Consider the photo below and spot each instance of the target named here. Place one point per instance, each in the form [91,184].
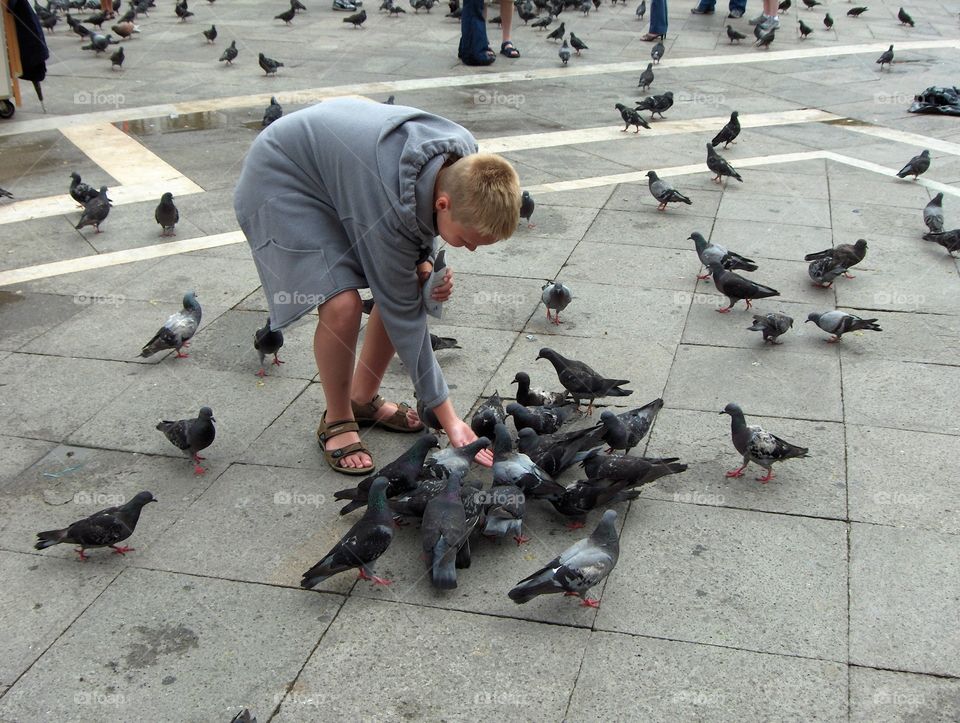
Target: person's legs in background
[706,7]
[658,20]
[506,23]
[474,47]
[738,8]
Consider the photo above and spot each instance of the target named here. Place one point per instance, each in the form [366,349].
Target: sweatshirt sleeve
[390,269]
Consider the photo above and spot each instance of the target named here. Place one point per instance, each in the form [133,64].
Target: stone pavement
[830,593]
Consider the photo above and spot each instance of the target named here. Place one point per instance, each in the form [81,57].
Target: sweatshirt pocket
[293,279]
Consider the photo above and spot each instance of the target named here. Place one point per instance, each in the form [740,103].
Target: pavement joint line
[311,95]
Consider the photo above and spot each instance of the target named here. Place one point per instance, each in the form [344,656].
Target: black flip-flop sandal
[508,49]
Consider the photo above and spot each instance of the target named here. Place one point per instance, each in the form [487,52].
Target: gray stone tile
[218,282]
[759,207]
[711,575]
[524,255]
[43,605]
[899,338]
[903,587]
[683,681]
[492,302]
[84,285]
[19,454]
[707,378]
[645,267]
[627,227]
[477,682]
[636,197]
[863,220]
[903,395]
[814,486]
[880,497]
[166,653]
[25,316]
[44,240]
[883,695]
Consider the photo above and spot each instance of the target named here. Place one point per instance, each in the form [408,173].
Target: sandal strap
[334,429]
[348,450]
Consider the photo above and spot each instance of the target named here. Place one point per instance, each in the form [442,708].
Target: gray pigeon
[710,253]
[803,29]
[244,716]
[719,165]
[210,34]
[915,166]
[766,39]
[772,325]
[580,567]
[736,287]
[657,52]
[554,453]
[535,397]
[557,33]
[443,532]
[167,215]
[844,256]
[758,446]
[454,460]
[443,342]
[505,507]
[428,416]
[488,416]
[542,420]
[646,78]
[267,341]
[839,323]
[933,214]
[192,435]
[950,240]
[734,35]
[177,330]
[641,9]
[367,540]
[630,117]
[564,51]
[517,469]
[904,17]
[4,193]
[99,43]
[95,211]
[728,134]
[656,104]
[105,528]
[273,113]
[823,271]
[269,65]
[527,205]
[633,471]
[581,381]
[81,192]
[230,53]
[624,431]
[117,58]
[557,296]
[664,192]
[886,58]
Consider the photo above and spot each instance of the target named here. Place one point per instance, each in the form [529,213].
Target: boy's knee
[345,303]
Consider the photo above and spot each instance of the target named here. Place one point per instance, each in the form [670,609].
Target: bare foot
[354,460]
[388,409]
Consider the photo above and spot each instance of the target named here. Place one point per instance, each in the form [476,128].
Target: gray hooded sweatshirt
[340,196]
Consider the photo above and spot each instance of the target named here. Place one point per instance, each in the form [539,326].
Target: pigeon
[839,323]
[656,104]
[811,4]
[915,166]
[715,253]
[267,341]
[49,21]
[269,65]
[96,19]
[525,13]
[542,420]
[630,117]
[577,43]
[542,23]
[78,28]
[554,453]
[580,567]
[736,287]
[286,16]
[933,214]
[516,468]
[105,528]
[784,6]
[535,397]
[367,540]
[886,58]
[646,78]
[401,475]
[95,211]
[734,35]
[488,416]
[804,29]
[904,18]
[772,325]
[950,240]
[357,19]
[210,34]
[125,30]
[505,508]
[166,214]
[443,342]
[527,205]
[583,382]
[824,271]
[641,9]
[586,7]
[856,12]
[664,192]
[757,445]
[555,295]
[230,54]
[624,431]
[81,192]
[765,39]
[395,10]
[564,53]
[585,495]
[657,52]
[390,101]
[428,416]
[192,435]
[828,21]
[412,503]
[273,112]
[634,471]
[181,10]
[297,5]
[728,134]
[443,532]
[4,193]
[843,255]
[558,33]
[99,43]
[177,330]
[454,460]
[719,165]
[244,716]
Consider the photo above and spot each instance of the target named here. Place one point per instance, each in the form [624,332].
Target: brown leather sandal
[365,414]
[328,430]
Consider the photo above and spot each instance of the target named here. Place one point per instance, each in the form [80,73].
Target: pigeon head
[377,497]
[606,416]
[512,408]
[521,378]
[206,413]
[936,201]
[698,240]
[925,154]
[503,444]
[76,177]
[732,409]
[525,196]
[668,94]
[734,115]
[814,317]
[620,106]
[190,300]
[547,353]
[526,437]
[652,175]
[167,197]
[606,531]
[861,246]
[142,498]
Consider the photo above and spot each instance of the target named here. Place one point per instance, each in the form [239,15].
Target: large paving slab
[885,695]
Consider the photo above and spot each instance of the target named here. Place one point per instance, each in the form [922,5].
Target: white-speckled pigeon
[555,295]
[709,253]
[192,435]
[772,325]
[443,532]
[624,431]
[839,323]
[536,397]
[933,214]
[401,475]
[758,446]
[177,330]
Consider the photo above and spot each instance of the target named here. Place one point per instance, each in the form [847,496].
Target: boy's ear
[443,202]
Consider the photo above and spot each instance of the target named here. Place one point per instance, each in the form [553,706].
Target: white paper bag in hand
[434,307]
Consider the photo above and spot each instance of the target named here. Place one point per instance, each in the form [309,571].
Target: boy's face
[456,234]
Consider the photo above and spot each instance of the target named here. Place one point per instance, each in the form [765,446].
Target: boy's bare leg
[506,19]
[375,357]
[334,347]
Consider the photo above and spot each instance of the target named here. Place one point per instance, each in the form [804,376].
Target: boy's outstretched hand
[443,291]
[460,435]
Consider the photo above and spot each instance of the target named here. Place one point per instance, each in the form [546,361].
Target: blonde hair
[484,191]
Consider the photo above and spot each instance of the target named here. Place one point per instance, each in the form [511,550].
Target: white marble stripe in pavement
[312,95]
[914,139]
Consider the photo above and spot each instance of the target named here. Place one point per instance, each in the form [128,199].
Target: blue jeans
[740,5]
[658,17]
